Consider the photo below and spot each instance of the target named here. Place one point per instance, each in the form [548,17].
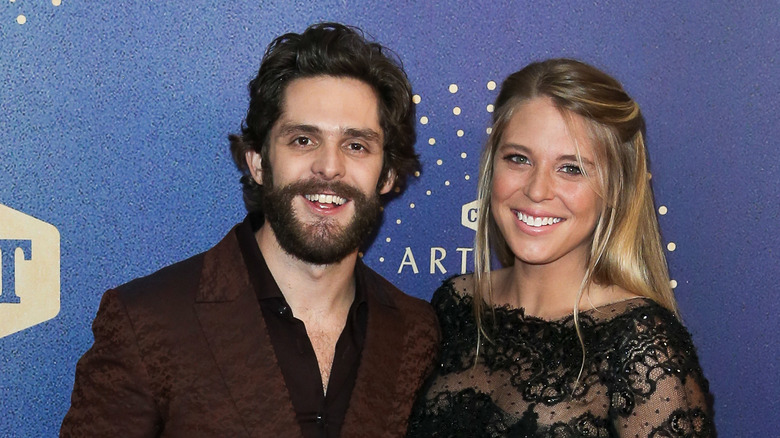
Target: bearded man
[280,329]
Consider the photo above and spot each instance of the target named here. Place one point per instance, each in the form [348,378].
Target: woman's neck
[549,291]
[546,291]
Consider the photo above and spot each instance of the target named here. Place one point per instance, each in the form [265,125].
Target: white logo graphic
[468,215]
[29,269]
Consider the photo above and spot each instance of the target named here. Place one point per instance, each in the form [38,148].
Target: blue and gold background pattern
[114,119]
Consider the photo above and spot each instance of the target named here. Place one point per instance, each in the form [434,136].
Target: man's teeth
[326,199]
[537,221]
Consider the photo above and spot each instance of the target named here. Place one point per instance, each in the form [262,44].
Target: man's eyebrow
[367,134]
[290,128]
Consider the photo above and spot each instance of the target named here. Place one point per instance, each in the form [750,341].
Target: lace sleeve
[662,391]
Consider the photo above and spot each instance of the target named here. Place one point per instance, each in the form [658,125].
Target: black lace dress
[641,376]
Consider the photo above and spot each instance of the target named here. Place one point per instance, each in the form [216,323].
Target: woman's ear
[255,164]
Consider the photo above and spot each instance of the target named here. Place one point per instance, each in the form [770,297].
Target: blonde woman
[578,333]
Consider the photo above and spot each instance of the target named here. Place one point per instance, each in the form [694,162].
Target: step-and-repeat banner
[114,159]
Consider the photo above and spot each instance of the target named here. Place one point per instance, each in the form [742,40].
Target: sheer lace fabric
[641,376]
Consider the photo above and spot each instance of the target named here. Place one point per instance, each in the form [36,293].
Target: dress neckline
[520,311]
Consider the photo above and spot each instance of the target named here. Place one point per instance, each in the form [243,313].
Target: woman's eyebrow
[574,158]
[515,146]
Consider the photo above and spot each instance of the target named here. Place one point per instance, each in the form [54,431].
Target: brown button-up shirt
[319,415]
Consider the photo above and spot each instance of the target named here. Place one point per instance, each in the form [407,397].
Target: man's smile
[323,198]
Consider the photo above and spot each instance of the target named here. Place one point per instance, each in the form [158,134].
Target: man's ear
[255,164]
[389,182]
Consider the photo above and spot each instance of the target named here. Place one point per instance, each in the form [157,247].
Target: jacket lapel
[233,324]
[373,400]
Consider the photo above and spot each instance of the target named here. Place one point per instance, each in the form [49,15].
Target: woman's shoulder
[654,359]
[458,288]
[637,316]
[612,302]
[463,286]
[645,313]
[640,326]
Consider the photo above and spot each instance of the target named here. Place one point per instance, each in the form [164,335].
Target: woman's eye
[517,158]
[571,169]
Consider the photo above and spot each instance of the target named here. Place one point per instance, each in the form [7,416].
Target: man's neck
[308,288]
[318,295]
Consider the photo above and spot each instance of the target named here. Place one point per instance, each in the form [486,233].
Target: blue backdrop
[114,120]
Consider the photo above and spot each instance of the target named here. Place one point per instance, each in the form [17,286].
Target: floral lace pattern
[641,376]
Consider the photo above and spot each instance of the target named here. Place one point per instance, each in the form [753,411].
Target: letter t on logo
[8,262]
[30,269]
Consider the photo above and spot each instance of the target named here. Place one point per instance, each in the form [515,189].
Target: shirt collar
[262,280]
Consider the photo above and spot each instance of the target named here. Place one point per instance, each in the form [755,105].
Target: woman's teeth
[537,221]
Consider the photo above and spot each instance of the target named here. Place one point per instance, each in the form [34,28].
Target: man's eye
[356,147]
[302,141]
[571,169]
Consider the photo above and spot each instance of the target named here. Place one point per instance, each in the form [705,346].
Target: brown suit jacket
[185,352]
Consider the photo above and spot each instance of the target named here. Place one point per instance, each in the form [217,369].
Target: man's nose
[329,162]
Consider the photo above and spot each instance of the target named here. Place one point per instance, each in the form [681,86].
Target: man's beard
[324,241]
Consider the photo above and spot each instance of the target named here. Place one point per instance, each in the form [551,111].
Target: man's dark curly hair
[328,49]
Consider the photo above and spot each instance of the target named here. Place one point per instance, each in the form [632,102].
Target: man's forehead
[334,103]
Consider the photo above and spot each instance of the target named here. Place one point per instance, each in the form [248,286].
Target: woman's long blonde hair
[626,250]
